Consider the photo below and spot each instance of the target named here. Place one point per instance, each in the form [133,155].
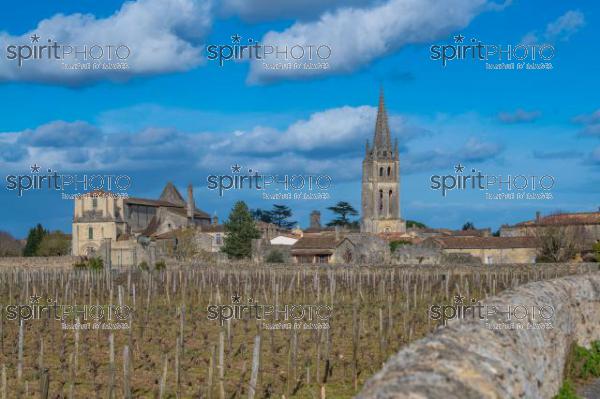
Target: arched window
[380,171]
[389,170]
[390,201]
[380,200]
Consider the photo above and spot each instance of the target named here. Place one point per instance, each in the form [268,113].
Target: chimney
[215,219]
[315,219]
[190,205]
[538,216]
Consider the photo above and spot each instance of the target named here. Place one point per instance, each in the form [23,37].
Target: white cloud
[560,29]
[330,139]
[163,36]
[590,122]
[357,36]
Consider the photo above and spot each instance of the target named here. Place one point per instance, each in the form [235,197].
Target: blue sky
[175,115]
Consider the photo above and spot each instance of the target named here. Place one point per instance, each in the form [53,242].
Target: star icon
[35,168]
[34,299]
[458,298]
[459,38]
[35,38]
[236,298]
[236,38]
[459,168]
[235,168]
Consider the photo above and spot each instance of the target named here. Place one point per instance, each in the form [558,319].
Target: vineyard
[166,346]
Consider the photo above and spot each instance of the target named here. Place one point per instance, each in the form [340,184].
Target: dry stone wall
[466,359]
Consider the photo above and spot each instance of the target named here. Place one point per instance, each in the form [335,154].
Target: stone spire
[382,140]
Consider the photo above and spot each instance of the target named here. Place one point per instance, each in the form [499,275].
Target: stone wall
[467,360]
[38,261]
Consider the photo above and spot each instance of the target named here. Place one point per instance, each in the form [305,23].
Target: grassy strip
[582,365]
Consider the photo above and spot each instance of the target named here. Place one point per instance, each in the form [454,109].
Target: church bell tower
[381,180]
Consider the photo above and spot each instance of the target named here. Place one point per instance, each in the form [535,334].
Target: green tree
[468,226]
[415,224]
[241,230]
[279,216]
[34,238]
[56,243]
[275,256]
[262,215]
[342,209]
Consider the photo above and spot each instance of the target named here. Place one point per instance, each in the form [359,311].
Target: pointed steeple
[381,139]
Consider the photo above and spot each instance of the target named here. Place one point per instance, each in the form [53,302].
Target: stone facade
[381,180]
[489,250]
[126,222]
[341,248]
[583,225]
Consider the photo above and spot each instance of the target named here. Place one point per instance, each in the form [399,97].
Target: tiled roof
[565,219]
[213,228]
[323,242]
[484,242]
[148,202]
[151,228]
[471,233]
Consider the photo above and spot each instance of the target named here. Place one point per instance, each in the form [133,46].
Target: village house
[585,226]
[489,250]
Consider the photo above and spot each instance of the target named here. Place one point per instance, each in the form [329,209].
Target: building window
[94,203]
[90,233]
[380,171]
[322,258]
[218,239]
[389,171]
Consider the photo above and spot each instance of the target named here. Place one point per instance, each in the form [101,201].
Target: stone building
[489,250]
[585,226]
[341,247]
[101,219]
[381,180]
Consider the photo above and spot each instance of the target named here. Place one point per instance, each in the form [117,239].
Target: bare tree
[9,246]
[558,243]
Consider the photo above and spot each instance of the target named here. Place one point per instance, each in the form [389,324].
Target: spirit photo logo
[253,180]
[252,310]
[517,186]
[496,56]
[38,309]
[49,49]
[495,316]
[238,51]
[52,180]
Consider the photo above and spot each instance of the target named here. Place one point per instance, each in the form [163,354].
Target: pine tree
[342,209]
[34,238]
[240,229]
